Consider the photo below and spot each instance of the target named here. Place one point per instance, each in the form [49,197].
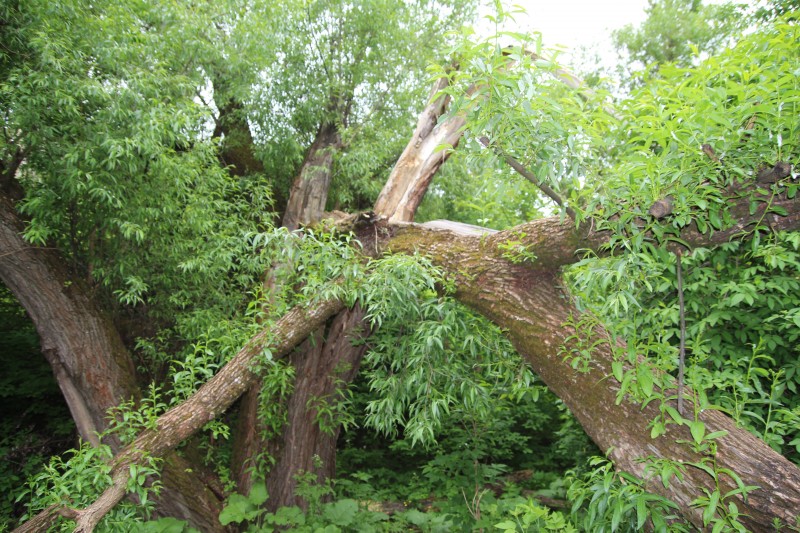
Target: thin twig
[524,172]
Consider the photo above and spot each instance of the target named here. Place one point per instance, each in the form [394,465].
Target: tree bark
[530,304]
[90,363]
[421,159]
[309,191]
[236,148]
[324,364]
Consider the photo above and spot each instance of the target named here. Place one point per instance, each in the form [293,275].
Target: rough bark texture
[310,188]
[421,159]
[324,364]
[89,361]
[306,204]
[247,441]
[529,303]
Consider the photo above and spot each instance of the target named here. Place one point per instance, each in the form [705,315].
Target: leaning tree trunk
[530,304]
[89,361]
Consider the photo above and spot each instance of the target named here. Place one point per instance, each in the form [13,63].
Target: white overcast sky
[580,22]
[575,23]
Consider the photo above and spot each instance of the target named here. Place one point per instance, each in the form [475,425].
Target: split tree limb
[421,159]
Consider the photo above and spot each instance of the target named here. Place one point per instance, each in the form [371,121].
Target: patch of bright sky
[573,24]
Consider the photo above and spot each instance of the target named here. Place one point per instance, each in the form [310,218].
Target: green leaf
[645,378]
[711,508]
[716,435]
[235,511]
[698,430]
[641,513]
[617,367]
[341,512]
[258,494]
[657,430]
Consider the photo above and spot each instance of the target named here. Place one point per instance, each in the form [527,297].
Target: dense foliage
[112,117]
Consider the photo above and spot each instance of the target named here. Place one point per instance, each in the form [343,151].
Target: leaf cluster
[428,354]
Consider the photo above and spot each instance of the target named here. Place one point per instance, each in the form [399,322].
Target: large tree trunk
[530,304]
[90,363]
[324,364]
[310,188]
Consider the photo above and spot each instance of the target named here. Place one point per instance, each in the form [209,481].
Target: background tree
[679,31]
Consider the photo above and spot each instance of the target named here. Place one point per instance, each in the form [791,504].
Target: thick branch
[421,159]
[214,397]
[558,243]
[529,303]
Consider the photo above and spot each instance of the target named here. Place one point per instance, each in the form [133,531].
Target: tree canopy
[164,169]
